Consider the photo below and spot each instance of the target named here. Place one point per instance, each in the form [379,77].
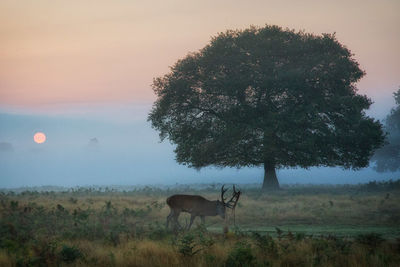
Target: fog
[118,147]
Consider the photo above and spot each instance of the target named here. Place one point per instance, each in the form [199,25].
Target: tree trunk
[270,179]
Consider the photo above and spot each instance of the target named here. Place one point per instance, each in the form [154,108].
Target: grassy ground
[297,226]
[344,231]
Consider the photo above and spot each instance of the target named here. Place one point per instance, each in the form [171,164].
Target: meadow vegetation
[348,225]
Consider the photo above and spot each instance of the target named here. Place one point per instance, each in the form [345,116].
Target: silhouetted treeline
[373,186]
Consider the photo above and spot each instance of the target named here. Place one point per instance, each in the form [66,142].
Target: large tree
[268,97]
[388,157]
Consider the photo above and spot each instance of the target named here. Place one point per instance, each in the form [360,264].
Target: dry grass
[254,209]
[126,229]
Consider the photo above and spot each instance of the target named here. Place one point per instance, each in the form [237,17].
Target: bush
[14,205]
[300,236]
[44,252]
[371,240]
[187,245]
[195,241]
[238,232]
[70,254]
[73,200]
[266,244]
[203,237]
[210,259]
[241,255]
[113,238]
[157,232]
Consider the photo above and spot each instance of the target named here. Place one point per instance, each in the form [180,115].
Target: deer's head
[221,209]
[222,205]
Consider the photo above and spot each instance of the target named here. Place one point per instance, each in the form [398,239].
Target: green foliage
[73,200]
[157,232]
[371,240]
[204,238]
[279,232]
[188,246]
[322,250]
[388,157]
[113,238]
[343,246]
[195,241]
[300,236]
[266,243]
[109,231]
[238,231]
[14,205]
[267,96]
[209,259]
[70,254]
[140,213]
[241,255]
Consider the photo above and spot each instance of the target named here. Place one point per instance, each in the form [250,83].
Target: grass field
[296,226]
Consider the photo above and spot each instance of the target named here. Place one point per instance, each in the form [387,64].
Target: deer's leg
[169,217]
[192,217]
[176,216]
[203,219]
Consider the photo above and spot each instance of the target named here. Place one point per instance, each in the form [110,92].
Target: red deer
[199,206]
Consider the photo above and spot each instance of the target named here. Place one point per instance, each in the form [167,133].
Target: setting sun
[39,137]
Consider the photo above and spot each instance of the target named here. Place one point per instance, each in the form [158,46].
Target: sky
[78,70]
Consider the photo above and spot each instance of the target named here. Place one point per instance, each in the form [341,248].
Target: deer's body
[195,205]
[199,206]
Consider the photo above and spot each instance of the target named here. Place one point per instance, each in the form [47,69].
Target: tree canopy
[388,157]
[266,96]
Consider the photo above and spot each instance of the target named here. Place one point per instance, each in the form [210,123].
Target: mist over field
[118,147]
[82,74]
[87,88]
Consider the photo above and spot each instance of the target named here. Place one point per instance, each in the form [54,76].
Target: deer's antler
[222,194]
[234,199]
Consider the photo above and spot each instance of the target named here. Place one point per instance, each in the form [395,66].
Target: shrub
[209,259]
[344,246]
[241,255]
[265,243]
[300,236]
[187,245]
[14,205]
[73,200]
[44,252]
[279,232]
[238,232]
[113,238]
[195,241]
[70,254]
[321,249]
[371,240]
[157,232]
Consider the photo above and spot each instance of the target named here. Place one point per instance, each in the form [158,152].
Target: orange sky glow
[68,52]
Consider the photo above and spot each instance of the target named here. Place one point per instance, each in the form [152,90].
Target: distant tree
[388,157]
[266,97]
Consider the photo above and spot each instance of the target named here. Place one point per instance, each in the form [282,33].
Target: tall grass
[98,227]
